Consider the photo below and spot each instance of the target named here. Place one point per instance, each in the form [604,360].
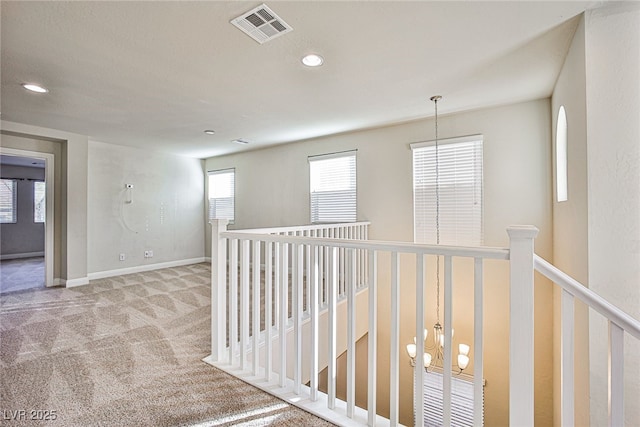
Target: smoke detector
[261,24]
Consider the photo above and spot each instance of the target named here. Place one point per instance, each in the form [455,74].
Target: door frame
[49,223]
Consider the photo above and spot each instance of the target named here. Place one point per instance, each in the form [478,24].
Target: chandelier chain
[435,100]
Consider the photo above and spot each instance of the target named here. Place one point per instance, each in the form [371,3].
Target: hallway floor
[126,351]
[21,274]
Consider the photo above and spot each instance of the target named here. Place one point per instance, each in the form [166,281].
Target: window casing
[8,201]
[333,195]
[222,190]
[39,201]
[459,163]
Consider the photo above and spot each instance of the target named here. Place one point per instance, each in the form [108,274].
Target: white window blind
[8,200]
[39,201]
[333,187]
[222,194]
[460,188]
[461,400]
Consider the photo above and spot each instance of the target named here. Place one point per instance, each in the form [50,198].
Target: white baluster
[268,310]
[307,276]
[284,310]
[340,235]
[256,305]
[448,343]
[332,301]
[567,363]
[244,303]
[418,391]
[372,338]
[233,310]
[297,316]
[394,381]
[616,375]
[313,310]
[351,333]
[478,342]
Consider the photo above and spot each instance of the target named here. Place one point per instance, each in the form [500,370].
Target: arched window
[562,192]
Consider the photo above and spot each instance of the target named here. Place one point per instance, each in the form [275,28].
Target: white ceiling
[155,75]
[21,161]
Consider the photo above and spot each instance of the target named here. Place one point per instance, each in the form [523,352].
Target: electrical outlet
[122,257]
[150,254]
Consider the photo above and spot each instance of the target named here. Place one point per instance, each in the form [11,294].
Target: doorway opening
[26,220]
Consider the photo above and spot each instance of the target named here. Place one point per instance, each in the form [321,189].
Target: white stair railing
[323,272]
[335,269]
[619,323]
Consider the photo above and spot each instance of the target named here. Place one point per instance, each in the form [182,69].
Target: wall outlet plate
[122,257]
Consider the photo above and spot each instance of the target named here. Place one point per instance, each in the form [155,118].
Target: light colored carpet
[20,274]
[124,351]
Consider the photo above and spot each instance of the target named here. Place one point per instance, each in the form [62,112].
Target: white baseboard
[207,259]
[22,255]
[142,268]
[70,283]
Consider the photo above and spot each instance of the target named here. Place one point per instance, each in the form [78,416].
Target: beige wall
[570,236]
[272,187]
[169,211]
[165,215]
[612,56]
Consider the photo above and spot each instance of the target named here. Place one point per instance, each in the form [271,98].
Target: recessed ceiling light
[240,141]
[34,88]
[210,132]
[312,60]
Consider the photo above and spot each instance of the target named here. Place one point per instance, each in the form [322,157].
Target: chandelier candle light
[434,352]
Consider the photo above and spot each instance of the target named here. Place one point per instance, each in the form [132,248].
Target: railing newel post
[218,289]
[521,326]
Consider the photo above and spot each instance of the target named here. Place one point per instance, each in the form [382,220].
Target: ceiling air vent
[261,24]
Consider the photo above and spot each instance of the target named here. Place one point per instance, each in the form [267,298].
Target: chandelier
[434,351]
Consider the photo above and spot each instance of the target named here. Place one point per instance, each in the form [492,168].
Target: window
[332,180]
[561,157]
[8,201]
[222,189]
[39,201]
[460,191]
[461,400]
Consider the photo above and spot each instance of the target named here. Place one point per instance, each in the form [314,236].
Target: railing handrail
[386,246]
[269,230]
[587,296]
